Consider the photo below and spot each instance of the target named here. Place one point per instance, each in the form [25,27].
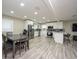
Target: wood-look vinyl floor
[46,48]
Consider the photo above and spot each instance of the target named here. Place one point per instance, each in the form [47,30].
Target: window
[7,25]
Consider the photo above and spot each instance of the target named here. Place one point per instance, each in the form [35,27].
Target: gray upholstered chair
[6,45]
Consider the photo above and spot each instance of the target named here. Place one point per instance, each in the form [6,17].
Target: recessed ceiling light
[43,17]
[25,16]
[35,13]
[21,4]
[12,12]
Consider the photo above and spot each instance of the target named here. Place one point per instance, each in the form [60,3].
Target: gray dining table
[16,38]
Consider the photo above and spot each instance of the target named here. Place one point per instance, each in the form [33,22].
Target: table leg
[28,44]
[13,50]
[25,45]
[5,51]
[20,49]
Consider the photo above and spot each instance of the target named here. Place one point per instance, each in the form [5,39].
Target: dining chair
[9,33]
[23,44]
[7,47]
[67,37]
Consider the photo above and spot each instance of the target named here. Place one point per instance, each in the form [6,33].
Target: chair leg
[5,56]
[28,44]
[20,51]
[4,51]
[25,46]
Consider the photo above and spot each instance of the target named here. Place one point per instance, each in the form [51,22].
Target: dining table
[17,38]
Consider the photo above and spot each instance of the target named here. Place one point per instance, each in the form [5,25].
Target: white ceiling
[51,9]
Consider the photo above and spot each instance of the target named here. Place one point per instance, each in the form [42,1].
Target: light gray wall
[68,26]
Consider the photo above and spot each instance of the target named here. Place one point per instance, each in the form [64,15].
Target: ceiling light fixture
[21,4]
[12,12]
[25,16]
[43,17]
[35,13]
